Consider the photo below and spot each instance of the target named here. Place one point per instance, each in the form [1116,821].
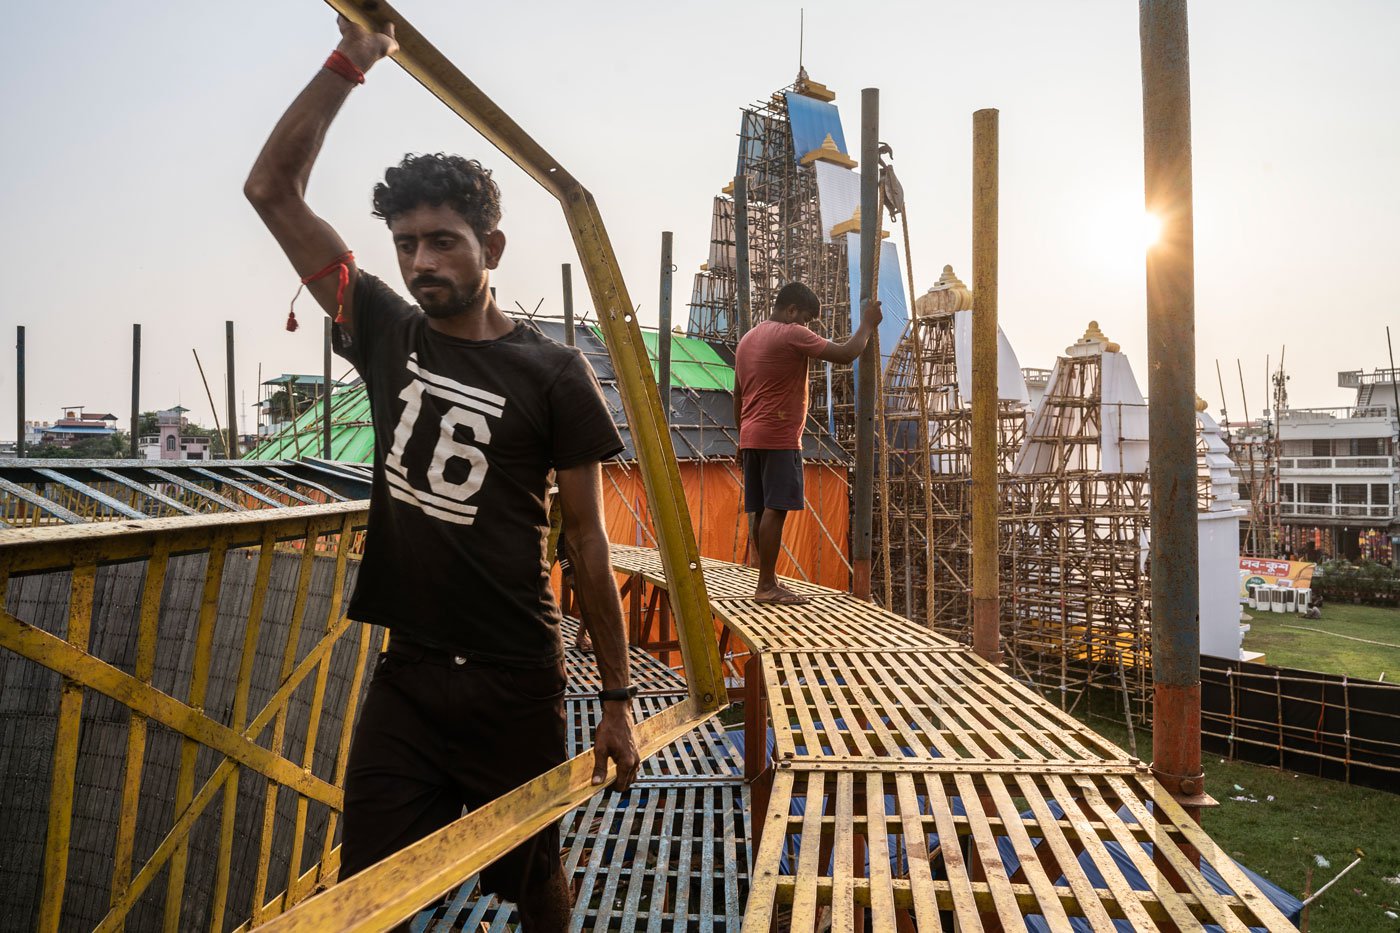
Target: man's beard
[454,303]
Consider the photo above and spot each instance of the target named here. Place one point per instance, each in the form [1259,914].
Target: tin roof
[702,406]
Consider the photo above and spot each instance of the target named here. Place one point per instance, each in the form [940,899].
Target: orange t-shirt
[770,371]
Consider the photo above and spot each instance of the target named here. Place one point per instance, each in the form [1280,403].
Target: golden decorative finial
[852,226]
[847,226]
[1093,342]
[1201,404]
[947,295]
[828,151]
[729,188]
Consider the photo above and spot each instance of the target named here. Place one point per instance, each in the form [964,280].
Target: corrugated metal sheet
[349,413]
[702,404]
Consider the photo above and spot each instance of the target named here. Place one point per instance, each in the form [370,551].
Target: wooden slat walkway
[670,854]
[916,781]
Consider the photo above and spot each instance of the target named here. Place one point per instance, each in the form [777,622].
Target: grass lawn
[1307,817]
[1330,644]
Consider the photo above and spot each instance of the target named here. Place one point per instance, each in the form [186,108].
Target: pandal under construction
[181,681]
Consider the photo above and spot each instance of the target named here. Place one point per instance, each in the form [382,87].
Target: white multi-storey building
[1337,474]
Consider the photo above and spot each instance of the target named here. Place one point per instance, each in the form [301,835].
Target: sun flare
[1150,231]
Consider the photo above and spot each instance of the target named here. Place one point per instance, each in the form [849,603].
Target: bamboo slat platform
[670,854]
[915,781]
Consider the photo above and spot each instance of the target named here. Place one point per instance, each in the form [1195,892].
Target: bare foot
[780,596]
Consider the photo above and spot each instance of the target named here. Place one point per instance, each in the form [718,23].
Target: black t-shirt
[466,433]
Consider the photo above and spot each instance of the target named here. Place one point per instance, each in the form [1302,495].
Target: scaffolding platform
[672,853]
[911,779]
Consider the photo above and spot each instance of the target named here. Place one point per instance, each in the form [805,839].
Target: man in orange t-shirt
[770,407]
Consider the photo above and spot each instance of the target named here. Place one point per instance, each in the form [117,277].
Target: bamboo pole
[568,305]
[663,333]
[986,602]
[869,361]
[19,390]
[741,253]
[214,409]
[135,389]
[1171,339]
[326,391]
[232,448]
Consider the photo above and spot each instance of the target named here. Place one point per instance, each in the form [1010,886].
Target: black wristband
[620,693]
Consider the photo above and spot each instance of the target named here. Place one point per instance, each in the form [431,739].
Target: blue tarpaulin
[893,302]
[811,120]
[1290,906]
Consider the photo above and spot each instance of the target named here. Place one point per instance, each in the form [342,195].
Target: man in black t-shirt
[472,412]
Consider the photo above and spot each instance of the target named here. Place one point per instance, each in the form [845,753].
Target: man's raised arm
[277,184]
[847,351]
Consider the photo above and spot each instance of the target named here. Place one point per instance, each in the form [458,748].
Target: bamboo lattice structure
[1080,605]
[904,768]
[929,437]
[787,243]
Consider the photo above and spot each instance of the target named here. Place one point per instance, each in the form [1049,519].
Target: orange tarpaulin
[815,539]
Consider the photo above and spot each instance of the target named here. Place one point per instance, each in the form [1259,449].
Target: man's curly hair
[461,184]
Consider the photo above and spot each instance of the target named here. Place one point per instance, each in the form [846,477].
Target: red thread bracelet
[339,264]
[341,64]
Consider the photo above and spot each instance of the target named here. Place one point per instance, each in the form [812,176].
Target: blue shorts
[772,480]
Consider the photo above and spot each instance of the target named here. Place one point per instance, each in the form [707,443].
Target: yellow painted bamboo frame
[82,550]
[383,895]
[622,334]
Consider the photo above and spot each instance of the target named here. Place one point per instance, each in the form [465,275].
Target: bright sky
[128,131]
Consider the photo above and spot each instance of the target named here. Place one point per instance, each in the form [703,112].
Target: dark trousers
[438,734]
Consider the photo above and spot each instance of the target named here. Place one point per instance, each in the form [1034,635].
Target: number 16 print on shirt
[442,499]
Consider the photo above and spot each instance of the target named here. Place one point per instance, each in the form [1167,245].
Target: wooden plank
[96,495]
[251,629]
[147,632]
[189,748]
[1165,846]
[330,494]
[760,912]
[47,506]
[1176,907]
[1119,889]
[955,868]
[878,851]
[275,486]
[384,894]
[144,490]
[1264,910]
[279,727]
[197,490]
[232,483]
[917,853]
[804,899]
[985,901]
[1052,836]
[987,856]
[1040,882]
